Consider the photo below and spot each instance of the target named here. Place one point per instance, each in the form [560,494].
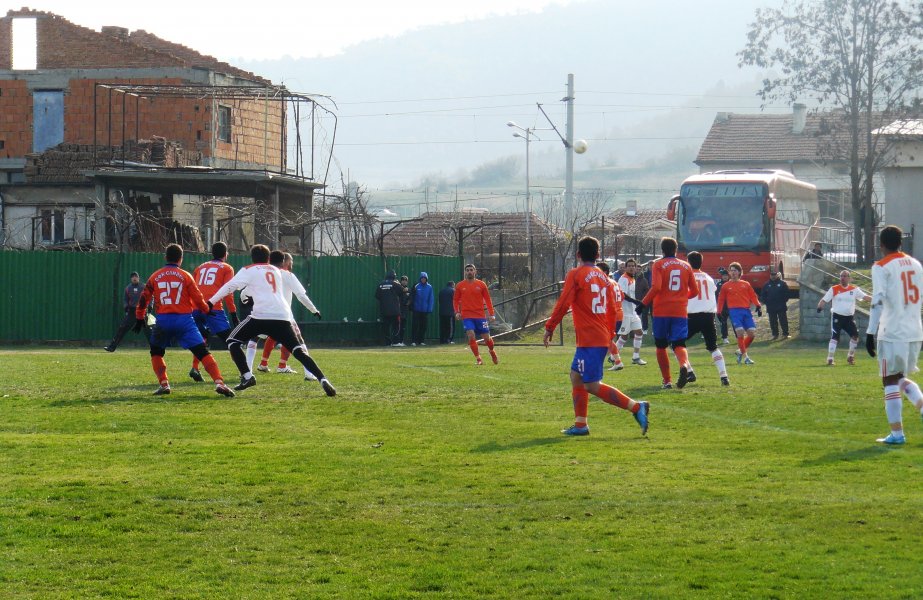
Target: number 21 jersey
[897,285]
[588,294]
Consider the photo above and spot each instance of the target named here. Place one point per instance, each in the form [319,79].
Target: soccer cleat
[328,387]
[285,370]
[479,362]
[892,439]
[162,390]
[263,368]
[617,367]
[195,375]
[638,361]
[739,356]
[224,390]
[850,360]
[108,348]
[726,341]
[574,430]
[749,361]
[691,377]
[830,362]
[245,383]
[641,416]
[666,385]
[683,378]
[725,381]
[493,357]
[611,359]
[413,344]
[309,377]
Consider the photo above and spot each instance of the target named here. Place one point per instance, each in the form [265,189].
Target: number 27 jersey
[588,294]
[897,285]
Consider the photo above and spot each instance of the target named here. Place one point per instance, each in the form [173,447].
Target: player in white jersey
[702,310]
[271,315]
[897,281]
[842,298]
[631,321]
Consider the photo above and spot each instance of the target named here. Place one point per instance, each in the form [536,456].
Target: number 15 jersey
[897,285]
[587,292]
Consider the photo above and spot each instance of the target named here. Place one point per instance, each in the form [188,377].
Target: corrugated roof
[640,222]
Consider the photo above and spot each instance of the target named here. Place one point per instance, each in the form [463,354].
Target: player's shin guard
[893,406]
[251,354]
[283,358]
[160,369]
[663,361]
[240,360]
[853,344]
[748,340]
[718,359]
[268,346]
[195,363]
[742,344]
[912,391]
[610,395]
[619,343]
[682,355]
[636,345]
[831,348]
[308,362]
[208,361]
[473,344]
[490,343]
[581,405]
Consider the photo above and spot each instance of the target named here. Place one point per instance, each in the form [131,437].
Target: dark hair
[668,246]
[736,265]
[276,258]
[174,253]
[259,253]
[891,237]
[630,260]
[603,266]
[219,250]
[588,248]
[695,259]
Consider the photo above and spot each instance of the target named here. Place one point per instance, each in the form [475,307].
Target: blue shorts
[176,329]
[589,363]
[479,326]
[216,321]
[741,318]
[674,329]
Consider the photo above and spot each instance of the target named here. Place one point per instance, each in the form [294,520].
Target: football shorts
[704,323]
[589,363]
[176,329]
[215,322]
[844,323]
[478,326]
[630,323]
[674,329]
[898,357]
[742,318]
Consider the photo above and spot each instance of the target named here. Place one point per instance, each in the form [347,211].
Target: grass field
[429,477]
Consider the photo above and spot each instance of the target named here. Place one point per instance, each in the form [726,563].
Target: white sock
[852,347]
[251,353]
[831,348]
[718,358]
[893,407]
[636,346]
[620,343]
[912,391]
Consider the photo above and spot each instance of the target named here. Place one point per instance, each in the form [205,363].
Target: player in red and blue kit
[174,293]
[588,294]
[210,276]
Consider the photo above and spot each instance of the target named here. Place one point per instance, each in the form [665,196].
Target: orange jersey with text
[210,276]
[619,298]
[737,294]
[171,290]
[470,299]
[672,284]
[588,294]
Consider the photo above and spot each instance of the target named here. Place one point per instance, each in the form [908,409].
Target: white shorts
[898,357]
[629,324]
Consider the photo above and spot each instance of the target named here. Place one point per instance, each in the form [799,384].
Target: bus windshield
[722,216]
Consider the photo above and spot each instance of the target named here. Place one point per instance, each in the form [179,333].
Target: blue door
[47,119]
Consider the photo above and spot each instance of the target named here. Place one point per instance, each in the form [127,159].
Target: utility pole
[569,158]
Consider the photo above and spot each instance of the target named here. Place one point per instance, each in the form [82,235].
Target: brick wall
[15,118]
[256,132]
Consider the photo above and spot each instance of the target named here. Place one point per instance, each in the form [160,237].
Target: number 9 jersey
[587,292]
[897,285]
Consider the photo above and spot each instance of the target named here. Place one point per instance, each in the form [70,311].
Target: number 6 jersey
[897,284]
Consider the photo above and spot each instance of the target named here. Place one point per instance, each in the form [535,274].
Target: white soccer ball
[580,146]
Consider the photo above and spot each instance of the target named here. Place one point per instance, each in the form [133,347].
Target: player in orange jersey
[210,276]
[738,295]
[471,297]
[175,294]
[588,294]
[614,355]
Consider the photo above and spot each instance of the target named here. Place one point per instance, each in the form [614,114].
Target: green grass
[428,477]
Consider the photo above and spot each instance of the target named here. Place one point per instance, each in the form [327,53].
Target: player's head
[668,246]
[470,271]
[817,247]
[219,250]
[451,284]
[695,259]
[603,266]
[289,261]
[735,270]
[588,249]
[844,277]
[174,254]
[276,258]
[135,278]
[891,238]
[259,253]
[630,265]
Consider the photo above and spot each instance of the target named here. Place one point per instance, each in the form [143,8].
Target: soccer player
[471,296]
[176,295]
[672,284]
[842,308]
[631,320]
[897,281]
[702,310]
[614,351]
[588,294]
[738,295]
[271,315]
[210,276]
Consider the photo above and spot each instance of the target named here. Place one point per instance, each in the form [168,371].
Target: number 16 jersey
[588,294]
[897,285]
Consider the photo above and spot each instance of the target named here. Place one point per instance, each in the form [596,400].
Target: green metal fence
[70,296]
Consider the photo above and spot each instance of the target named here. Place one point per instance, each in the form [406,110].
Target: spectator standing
[129,301]
[447,314]
[814,252]
[423,301]
[390,295]
[406,302]
[775,296]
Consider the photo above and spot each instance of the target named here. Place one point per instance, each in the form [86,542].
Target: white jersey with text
[706,300]
[897,294]
[265,284]
[627,285]
[293,286]
[843,299]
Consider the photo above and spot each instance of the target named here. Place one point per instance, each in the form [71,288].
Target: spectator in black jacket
[722,314]
[406,303]
[447,314]
[814,252]
[129,301]
[775,296]
[390,296]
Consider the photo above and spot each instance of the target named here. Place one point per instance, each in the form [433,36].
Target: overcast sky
[299,28]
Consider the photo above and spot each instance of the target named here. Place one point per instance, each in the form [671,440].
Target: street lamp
[526,134]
